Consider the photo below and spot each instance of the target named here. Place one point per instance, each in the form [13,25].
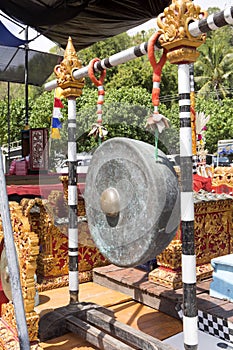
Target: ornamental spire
[64,72]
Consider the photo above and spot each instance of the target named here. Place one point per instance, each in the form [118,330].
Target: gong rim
[112,154]
[4,275]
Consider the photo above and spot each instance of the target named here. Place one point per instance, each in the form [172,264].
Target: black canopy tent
[86,21]
[12,65]
[22,65]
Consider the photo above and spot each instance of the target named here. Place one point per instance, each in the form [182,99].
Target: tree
[214,67]
[17,119]
[136,72]
[128,100]
[125,112]
[41,111]
[220,125]
[104,49]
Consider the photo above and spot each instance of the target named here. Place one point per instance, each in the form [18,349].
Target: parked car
[83,161]
[221,161]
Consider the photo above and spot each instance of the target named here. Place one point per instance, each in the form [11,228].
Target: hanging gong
[4,275]
[132,201]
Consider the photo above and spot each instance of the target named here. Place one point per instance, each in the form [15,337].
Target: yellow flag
[55,133]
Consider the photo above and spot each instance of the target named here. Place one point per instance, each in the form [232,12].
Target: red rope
[98,129]
[156,121]
[157,67]
[91,73]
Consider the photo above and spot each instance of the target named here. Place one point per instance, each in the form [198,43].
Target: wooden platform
[39,179]
[126,310]
[33,179]
[138,303]
[134,282]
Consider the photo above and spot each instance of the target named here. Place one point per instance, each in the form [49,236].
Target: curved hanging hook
[157,122]
[97,129]
[157,67]
[91,73]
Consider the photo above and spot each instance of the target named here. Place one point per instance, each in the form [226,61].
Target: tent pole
[8,127]
[26,78]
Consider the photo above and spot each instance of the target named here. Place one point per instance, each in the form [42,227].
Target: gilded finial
[175,37]
[64,72]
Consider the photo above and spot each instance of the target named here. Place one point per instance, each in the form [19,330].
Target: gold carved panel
[213,229]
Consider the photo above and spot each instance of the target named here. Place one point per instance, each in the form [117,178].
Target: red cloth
[39,190]
[202,183]
[35,190]
[12,169]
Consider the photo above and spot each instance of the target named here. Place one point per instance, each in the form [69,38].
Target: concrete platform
[205,341]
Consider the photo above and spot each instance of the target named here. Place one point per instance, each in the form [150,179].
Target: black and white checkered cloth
[217,326]
[195,163]
[211,324]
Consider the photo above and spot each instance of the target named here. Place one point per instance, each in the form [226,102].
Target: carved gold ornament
[64,71]
[175,37]
[27,247]
[213,237]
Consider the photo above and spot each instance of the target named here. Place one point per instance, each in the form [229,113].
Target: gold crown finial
[175,36]
[64,72]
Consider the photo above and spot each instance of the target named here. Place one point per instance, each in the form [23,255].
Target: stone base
[173,279]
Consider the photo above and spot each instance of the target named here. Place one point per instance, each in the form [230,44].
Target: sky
[44,44]
[204,4]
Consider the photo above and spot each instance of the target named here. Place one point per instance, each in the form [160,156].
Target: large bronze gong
[132,201]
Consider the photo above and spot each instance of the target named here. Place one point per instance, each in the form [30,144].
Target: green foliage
[169,84]
[212,10]
[137,72]
[128,100]
[17,119]
[124,113]
[214,67]
[41,111]
[220,125]
[18,91]
[3,122]
[104,49]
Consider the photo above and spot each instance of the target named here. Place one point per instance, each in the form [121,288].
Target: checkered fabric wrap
[213,325]
[195,163]
[219,327]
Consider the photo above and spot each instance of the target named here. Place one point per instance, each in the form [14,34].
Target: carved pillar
[71,89]
[27,248]
[181,50]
